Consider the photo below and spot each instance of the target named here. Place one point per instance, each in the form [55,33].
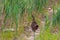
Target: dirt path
[32,35]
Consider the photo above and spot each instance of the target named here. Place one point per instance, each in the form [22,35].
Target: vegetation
[18,13]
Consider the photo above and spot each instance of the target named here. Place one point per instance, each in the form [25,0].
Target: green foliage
[15,8]
[40,4]
[47,22]
[46,35]
[8,35]
[56,17]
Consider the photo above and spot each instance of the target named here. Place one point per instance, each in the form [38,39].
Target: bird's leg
[34,35]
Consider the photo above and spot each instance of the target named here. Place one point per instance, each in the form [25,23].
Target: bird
[34,25]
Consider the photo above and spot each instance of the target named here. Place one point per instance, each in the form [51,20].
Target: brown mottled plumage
[34,25]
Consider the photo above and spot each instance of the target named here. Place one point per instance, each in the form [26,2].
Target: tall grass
[56,18]
[12,8]
[15,9]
